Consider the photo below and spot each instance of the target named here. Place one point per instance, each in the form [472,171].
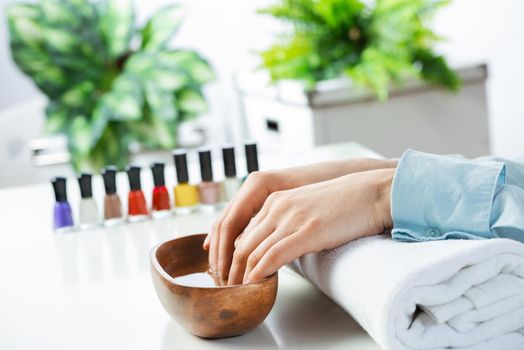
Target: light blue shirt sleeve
[450,197]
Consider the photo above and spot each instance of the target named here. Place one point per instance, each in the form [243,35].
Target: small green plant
[373,42]
[109,84]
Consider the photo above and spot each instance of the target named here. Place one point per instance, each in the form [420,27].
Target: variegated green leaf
[26,30]
[87,10]
[140,63]
[167,80]
[200,71]
[111,149]
[50,78]
[57,119]
[80,135]
[99,120]
[125,99]
[60,40]
[154,132]
[191,101]
[161,27]
[78,94]
[27,11]
[175,58]
[117,26]
[161,103]
[189,61]
[163,133]
[31,61]
[51,81]
[146,68]
[58,13]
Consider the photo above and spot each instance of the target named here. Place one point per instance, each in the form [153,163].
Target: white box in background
[426,118]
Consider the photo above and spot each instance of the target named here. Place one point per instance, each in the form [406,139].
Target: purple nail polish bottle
[63,218]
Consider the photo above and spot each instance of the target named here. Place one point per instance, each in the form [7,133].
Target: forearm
[309,174]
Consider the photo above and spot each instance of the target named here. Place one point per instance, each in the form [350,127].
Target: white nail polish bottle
[88,210]
[231,183]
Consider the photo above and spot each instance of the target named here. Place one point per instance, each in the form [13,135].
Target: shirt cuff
[439,197]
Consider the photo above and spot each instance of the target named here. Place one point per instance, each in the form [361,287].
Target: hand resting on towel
[280,215]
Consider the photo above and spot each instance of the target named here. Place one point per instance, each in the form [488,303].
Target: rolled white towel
[454,294]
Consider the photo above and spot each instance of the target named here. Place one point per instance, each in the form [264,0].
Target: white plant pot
[286,118]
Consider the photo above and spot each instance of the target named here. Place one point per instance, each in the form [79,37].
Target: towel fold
[454,294]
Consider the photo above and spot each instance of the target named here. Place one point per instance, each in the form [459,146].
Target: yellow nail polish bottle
[186,195]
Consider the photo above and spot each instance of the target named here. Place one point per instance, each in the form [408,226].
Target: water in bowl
[206,279]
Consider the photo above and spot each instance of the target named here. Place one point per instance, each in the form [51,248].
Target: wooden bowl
[212,312]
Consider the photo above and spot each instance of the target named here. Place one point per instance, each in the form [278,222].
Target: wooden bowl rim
[166,276]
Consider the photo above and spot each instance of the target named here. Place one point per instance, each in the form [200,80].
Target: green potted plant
[363,71]
[109,83]
[373,43]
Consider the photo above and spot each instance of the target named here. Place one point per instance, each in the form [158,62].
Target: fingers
[212,242]
[281,253]
[213,249]
[241,255]
[247,203]
[238,240]
[216,226]
[261,250]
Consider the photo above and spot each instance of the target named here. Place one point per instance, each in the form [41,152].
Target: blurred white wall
[492,31]
[228,31]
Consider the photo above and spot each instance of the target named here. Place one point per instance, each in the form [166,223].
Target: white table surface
[93,290]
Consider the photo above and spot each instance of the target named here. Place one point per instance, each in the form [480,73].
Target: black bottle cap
[109,176]
[158,174]
[59,186]
[206,167]
[182,175]
[133,173]
[84,181]
[251,157]
[228,155]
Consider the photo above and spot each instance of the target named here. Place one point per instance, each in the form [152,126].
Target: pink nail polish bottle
[208,190]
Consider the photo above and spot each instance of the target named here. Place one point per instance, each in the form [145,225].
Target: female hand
[312,218]
[255,191]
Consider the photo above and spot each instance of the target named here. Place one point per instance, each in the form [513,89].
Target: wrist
[383,202]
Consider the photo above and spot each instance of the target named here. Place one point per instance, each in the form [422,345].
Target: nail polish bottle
[231,183]
[208,190]
[161,203]
[112,206]
[88,210]
[186,195]
[251,158]
[62,215]
[136,202]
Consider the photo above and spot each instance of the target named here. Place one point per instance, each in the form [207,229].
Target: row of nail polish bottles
[88,216]
[209,193]
[137,207]
[88,210]
[186,196]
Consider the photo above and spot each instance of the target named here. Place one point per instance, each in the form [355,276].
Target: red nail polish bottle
[136,202]
[161,202]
